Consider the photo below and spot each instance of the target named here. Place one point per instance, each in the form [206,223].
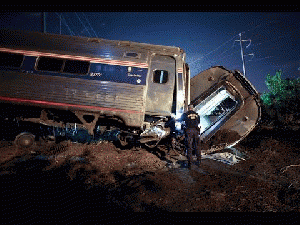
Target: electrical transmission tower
[242,52]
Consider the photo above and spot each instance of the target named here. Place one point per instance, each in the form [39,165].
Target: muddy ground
[74,179]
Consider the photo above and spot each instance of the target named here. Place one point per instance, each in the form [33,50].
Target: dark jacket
[171,124]
[191,119]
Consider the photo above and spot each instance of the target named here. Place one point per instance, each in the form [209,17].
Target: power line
[218,57]
[71,21]
[261,24]
[65,22]
[222,57]
[44,22]
[259,59]
[213,50]
[85,28]
[226,56]
[59,23]
[59,15]
[89,24]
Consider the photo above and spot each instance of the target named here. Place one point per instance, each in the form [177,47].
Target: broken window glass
[214,109]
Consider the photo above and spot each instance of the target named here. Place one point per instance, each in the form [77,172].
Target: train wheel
[25,140]
[152,144]
[123,140]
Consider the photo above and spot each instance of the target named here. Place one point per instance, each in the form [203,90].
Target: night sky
[208,38]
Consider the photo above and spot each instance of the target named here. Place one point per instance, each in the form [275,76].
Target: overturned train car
[228,105]
[115,90]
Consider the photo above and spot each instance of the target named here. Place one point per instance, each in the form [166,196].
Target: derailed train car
[112,90]
[228,106]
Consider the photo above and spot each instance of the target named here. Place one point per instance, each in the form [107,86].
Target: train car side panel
[71,93]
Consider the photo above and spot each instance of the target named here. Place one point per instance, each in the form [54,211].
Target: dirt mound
[137,179]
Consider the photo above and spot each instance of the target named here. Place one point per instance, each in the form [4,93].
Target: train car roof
[75,45]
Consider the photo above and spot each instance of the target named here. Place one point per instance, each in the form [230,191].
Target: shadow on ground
[34,186]
[34,192]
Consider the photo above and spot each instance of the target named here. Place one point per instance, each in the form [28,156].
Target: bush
[282,101]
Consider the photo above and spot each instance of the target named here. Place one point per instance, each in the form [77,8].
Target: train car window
[180,81]
[76,66]
[132,54]
[11,59]
[214,109]
[160,76]
[50,64]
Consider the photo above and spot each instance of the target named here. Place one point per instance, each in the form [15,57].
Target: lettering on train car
[88,90]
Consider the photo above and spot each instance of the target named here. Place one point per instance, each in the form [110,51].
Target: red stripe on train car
[68,105]
[82,58]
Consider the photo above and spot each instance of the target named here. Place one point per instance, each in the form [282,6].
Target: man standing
[170,123]
[192,133]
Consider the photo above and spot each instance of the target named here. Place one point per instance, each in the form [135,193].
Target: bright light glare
[178,116]
[209,106]
[177,125]
[206,107]
[180,97]
[205,123]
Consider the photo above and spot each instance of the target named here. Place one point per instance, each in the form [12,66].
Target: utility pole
[242,53]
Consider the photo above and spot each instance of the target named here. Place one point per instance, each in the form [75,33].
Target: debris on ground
[260,174]
[226,157]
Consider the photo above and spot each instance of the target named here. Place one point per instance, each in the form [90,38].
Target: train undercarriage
[40,124]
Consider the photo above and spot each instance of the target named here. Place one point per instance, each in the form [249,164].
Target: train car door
[161,83]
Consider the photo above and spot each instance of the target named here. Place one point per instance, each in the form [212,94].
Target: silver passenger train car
[128,87]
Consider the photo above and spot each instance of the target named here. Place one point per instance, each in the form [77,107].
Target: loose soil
[102,177]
